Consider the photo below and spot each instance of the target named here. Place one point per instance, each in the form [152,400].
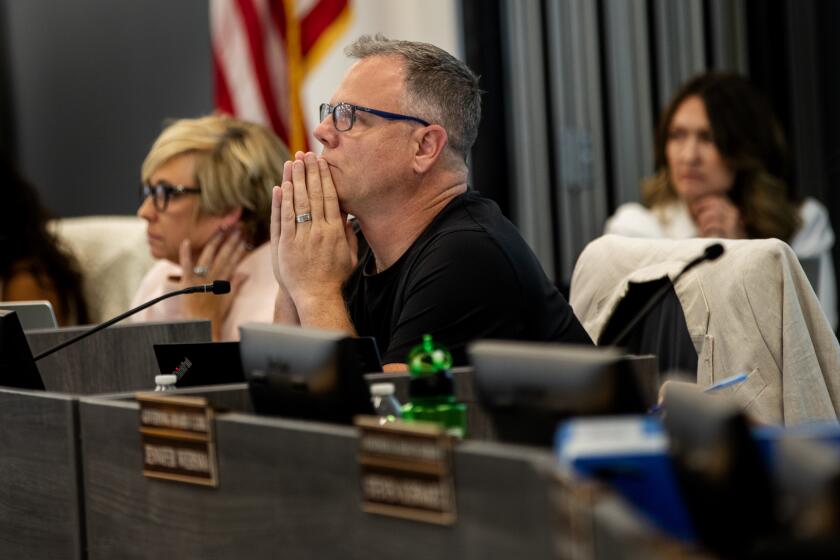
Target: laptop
[37,314]
[201,363]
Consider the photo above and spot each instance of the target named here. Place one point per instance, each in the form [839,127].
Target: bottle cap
[382,389]
[165,379]
[428,358]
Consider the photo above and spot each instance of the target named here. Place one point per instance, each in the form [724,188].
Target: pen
[726,382]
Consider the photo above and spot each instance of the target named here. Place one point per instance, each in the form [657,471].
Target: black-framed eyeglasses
[161,193]
[344,115]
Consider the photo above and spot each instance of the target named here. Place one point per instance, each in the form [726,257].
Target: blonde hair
[236,165]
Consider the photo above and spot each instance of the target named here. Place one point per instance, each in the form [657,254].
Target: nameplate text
[177,438]
[406,470]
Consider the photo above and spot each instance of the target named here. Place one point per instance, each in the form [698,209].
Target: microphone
[711,253]
[218,287]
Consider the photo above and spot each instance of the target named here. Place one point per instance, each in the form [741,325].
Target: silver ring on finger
[200,271]
[300,218]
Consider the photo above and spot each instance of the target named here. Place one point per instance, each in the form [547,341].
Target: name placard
[573,500]
[176,433]
[406,470]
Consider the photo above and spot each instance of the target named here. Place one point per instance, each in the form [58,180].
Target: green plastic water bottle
[431,391]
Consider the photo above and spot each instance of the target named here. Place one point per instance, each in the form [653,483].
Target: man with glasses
[438,258]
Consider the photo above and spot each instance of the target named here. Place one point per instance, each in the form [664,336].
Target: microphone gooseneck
[217,287]
[711,253]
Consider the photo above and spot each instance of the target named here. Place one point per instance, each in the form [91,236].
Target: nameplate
[177,438]
[406,470]
[589,516]
[572,499]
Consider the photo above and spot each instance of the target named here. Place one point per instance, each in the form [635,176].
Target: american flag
[262,52]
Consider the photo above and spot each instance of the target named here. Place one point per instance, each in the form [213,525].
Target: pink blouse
[254,301]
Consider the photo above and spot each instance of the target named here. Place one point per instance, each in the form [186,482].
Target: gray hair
[441,88]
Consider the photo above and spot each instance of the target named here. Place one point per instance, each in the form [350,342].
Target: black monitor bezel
[17,366]
[527,388]
[336,393]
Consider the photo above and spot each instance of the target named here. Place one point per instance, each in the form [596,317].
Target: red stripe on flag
[320,17]
[278,17]
[224,102]
[255,42]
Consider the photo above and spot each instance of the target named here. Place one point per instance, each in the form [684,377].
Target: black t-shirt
[469,276]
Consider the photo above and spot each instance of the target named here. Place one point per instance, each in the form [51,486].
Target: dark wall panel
[6,122]
[91,83]
[483,48]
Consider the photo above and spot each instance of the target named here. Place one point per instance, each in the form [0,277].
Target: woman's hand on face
[716,216]
[218,261]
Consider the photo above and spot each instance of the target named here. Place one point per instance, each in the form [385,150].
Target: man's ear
[431,142]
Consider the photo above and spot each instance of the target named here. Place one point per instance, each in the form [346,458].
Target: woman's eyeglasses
[161,193]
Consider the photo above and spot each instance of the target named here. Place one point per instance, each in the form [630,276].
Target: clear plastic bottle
[165,382]
[385,404]
[431,390]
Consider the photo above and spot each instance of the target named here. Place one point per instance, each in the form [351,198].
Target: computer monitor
[36,314]
[724,481]
[307,373]
[528,387]
[17,368]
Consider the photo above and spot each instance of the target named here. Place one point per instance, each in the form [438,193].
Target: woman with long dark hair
[32,265]
[722,170]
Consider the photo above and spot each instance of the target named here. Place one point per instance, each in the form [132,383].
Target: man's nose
[326,133]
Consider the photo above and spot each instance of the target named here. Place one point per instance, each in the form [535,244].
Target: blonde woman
[206,188]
